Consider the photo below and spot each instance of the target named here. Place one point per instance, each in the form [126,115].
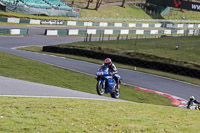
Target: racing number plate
[100,73]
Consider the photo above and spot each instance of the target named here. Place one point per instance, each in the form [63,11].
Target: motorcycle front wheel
[115,94]
[100,89]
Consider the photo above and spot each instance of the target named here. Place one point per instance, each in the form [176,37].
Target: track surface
[135,78]
[15,87]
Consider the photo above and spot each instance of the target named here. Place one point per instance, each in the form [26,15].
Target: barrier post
[118,38]
[86,37]
[136,40]
[135,68]
[102,37]
[90,38]
[99,37]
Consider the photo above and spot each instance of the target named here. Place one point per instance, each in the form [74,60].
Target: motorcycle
[195,107]
[106,83]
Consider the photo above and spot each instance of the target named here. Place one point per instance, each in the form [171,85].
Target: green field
[20,68]
[73,115]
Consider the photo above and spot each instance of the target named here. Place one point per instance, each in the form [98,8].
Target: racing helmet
[192,98]
[107,62]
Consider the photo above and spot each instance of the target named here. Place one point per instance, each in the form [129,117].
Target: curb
[175,100]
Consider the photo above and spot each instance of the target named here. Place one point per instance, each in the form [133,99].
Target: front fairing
[103,71]
[104,76]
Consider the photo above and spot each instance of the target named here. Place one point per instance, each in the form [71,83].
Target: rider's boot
[117,86]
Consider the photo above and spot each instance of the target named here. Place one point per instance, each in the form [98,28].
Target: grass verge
[152,49]
[131,11]
[73,115]
[164,74]
[20,68]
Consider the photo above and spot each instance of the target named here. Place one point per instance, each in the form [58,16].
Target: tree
[98,4]
[123,3]
[88,4]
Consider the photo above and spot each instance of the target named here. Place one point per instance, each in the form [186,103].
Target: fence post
[102,37]
[198,33]
[86,37]
[156,41]
[99,37]
[90,38]
[118,38]
[136,40]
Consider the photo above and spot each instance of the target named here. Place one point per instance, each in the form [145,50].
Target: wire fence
[134,20]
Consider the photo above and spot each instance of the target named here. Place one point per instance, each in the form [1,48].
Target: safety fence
[100,24]
[13,31]
[121,31]
[135,20]
[127,61]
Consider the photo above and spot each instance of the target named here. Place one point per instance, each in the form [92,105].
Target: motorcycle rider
[113,70]
[192,101]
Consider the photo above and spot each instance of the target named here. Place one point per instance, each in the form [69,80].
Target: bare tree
[72,2]
[123,3]
[98,4]
[88,4]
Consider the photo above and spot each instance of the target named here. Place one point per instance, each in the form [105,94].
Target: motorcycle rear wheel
[99,88]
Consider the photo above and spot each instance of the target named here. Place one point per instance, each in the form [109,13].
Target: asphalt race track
[148,81]
[14,87]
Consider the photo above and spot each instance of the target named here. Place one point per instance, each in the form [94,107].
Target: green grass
[20,68]
[161,50]
[73,115]
[8,35]
[131,11]
[164,74]
[28,16]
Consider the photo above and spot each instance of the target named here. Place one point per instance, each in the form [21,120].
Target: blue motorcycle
[106,83]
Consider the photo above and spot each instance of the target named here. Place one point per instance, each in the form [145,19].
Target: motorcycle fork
[104,83]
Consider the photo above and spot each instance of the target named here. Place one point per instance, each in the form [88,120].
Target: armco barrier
[121,31]
[14,31]
[100,24]
[127,61]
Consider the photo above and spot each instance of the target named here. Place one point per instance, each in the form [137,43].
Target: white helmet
[192,98]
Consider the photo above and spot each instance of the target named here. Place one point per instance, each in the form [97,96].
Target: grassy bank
[164,74]
[131,11]
[115,11]
[28,16]
[73,115]
[20,68]
[152,49]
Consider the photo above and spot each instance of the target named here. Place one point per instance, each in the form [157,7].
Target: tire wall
[170,68]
